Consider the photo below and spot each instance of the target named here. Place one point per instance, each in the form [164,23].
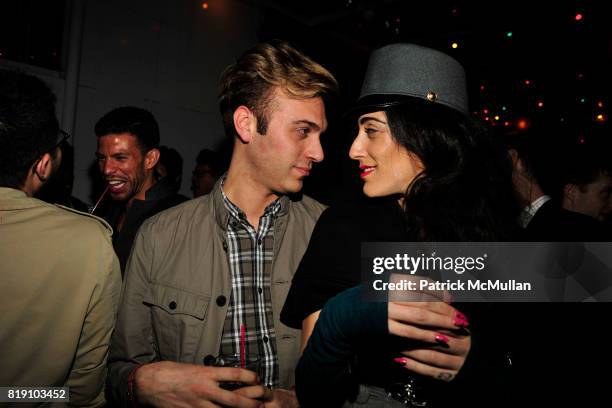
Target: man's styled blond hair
[251,81]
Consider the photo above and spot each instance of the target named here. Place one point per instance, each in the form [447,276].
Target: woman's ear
[245,123]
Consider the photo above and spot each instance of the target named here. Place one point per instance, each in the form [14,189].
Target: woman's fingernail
[440,338]
[461,322]
[401,360]
[460,315]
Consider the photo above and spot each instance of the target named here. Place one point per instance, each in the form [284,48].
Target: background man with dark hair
[587,180]
[128,141]
[543,218]
[169,168]
[207,171]
[60,278]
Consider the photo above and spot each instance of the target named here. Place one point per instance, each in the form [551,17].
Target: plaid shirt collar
[273,209]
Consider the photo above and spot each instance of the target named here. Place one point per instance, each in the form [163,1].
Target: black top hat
[398,73]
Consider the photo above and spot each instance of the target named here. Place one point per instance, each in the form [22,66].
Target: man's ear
[245,123]
[569,192]
[513,157]
[43,167]
[517,163]
[151,159]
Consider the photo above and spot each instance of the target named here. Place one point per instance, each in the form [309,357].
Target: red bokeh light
[522,124]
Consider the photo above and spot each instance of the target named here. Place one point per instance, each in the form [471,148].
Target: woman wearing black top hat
[437,176]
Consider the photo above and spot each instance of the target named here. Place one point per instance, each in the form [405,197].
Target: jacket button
[209,360]
[221,301]
[172,305]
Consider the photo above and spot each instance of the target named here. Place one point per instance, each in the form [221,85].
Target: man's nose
[315,151]
[107,168]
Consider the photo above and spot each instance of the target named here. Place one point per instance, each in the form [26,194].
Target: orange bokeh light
[522,124]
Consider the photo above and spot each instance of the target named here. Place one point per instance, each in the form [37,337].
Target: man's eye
[370,131]
[303,131]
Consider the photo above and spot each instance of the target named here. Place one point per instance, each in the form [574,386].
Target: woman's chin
[372,192]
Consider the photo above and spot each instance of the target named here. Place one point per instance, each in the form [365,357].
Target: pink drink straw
[242,346]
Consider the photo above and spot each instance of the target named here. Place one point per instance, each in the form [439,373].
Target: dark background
[526,61]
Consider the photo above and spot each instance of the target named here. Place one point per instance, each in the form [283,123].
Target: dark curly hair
[465,192]
[129,119]
[28,125]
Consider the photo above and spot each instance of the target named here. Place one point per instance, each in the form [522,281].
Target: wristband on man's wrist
[131,386]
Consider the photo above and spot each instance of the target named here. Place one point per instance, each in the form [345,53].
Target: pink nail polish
[461,322]
[400,360]
[460,315]
[440,338]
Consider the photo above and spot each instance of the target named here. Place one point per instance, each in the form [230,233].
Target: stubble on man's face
[121,163]
[286,153]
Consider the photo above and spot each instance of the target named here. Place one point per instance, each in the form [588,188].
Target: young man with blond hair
[210,276]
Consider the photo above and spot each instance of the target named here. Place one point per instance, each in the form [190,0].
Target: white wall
[162,55]
[165,56]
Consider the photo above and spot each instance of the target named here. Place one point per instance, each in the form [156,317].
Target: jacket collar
[13,199]
[222,214]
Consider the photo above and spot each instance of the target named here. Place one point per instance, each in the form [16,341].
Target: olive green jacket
[177,277]
[59,293]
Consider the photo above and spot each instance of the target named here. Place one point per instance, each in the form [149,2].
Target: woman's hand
[441,332]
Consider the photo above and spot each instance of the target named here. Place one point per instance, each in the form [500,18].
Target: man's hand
[282,399]
[442,331]
[170,384]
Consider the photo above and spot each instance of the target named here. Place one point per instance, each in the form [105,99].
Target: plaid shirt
[250,255]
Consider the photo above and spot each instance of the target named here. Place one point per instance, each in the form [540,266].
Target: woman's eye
[370,131]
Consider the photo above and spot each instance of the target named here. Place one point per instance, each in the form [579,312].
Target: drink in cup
[250,362]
